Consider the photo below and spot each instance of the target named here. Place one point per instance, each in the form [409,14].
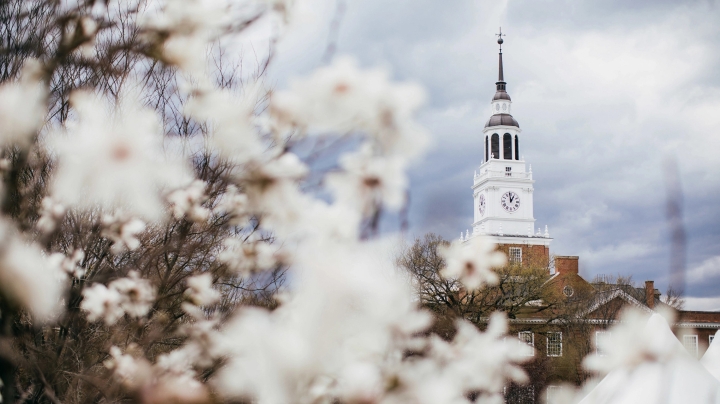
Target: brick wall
[566,264]
[532,255]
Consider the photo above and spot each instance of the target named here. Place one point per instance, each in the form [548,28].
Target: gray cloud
[604,92]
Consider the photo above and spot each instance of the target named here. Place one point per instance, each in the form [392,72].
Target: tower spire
[501,79]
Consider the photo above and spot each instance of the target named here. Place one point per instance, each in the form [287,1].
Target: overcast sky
[604,91]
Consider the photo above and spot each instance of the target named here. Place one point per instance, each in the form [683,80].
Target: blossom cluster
[347,329]
[132,295]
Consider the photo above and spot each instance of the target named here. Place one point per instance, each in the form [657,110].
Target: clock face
[510,201]
[481,204]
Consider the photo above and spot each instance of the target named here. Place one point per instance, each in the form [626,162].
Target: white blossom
[230,118]
[247,256]
[130,371]
[122,231]
[471,262]
[281,6]
[137,294]
[51,212]
[188,202]
[200,291]
[23,106]
[266,176]
[169,380]
[131,295]
[635,340]
[113,158]
[235,204]
[472,361]
[190,26]
[343,98]
[27,277]
[273,193]
[204,345]
[69,265]
[102,303]
[346,311]
[370,181]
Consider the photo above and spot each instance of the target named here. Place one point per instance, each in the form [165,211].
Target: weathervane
[500,40]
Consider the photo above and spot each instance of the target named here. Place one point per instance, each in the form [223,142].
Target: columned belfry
[503,184]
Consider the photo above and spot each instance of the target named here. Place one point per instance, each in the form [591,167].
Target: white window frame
[598,349]
[690,342]
[557,346]
[530,342]
[551,393]
[711,338]
[515,255]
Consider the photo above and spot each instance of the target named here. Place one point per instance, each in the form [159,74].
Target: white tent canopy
[680,380]
[711,359]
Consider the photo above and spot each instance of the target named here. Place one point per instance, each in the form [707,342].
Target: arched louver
[517,149]
[486,148]
[507,146]
[495,146]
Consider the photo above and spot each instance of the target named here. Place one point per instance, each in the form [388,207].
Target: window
[528,338]
[568,291]
[712,337]
[601,342]
[517,149]
[552,394]
[554,344]
[487,151]
[495,146]
[520,394]
[516,255]
[691,344]
[507,146]
[508,171]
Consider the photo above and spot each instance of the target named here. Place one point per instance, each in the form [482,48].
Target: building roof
[502,120]
[501,95]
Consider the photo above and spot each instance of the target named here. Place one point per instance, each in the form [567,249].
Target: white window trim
[513,252]
[531,343]
[693,339]
[559,333]
[550,393]
[598,350]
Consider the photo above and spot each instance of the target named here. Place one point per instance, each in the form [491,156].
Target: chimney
[566,264]
[650,294]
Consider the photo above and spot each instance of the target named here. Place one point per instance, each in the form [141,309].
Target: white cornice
[614,294]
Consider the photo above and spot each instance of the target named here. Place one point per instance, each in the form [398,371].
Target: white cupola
[503,184]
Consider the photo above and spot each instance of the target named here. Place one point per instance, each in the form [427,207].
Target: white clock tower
[503,185]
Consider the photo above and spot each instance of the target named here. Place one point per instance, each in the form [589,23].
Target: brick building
[562,337]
